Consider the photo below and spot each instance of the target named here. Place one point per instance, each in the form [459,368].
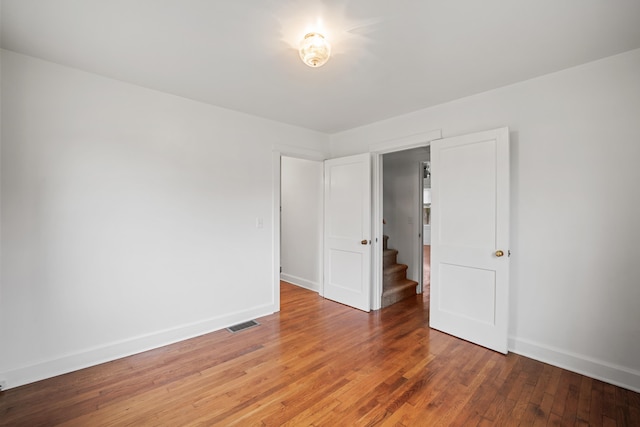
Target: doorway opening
[277,267]
[406,225]
[301,209]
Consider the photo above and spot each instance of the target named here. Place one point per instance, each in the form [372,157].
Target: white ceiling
[390,57]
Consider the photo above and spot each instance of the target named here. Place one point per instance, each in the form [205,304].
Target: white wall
[401,191]
[301,232]
[575,141]
[128,218]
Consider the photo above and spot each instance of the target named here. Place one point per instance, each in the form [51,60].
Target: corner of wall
[299,281]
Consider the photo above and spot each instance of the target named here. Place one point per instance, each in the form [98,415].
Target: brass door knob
[499,254]
[363,242]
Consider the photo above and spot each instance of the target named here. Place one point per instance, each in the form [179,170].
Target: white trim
[420,222]
[581,364]
[276,158]
[321,248]
[119,349]
[299,281]
[299,153]
[406,142]
[377,229]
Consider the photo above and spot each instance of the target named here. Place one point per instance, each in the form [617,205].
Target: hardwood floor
[321,363]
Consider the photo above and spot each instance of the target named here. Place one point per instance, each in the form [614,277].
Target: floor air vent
[242,326]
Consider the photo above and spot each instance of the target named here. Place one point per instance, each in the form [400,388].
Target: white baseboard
[117,350]
[299,281]
[598,369]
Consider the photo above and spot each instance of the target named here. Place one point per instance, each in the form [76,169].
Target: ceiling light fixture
[314,50]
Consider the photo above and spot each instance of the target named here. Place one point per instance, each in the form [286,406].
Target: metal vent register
[242,326]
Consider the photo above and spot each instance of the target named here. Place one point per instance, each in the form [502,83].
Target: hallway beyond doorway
[426,269]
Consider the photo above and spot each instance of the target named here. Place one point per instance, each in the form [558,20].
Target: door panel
[347,261]
[468,202]
[471,293]
[470,222]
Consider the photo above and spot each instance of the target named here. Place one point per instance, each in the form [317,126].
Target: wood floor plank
[584,400]
[544,378]
[596,404]
[634,408]
[609,401]
[319,363]
[543,410]
[522,404]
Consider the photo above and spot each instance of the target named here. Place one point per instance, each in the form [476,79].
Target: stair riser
[389,260]
[390,280]
[393,297]
[389,257]
[394,271]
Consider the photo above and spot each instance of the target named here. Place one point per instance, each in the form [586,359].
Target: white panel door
[347,231]
[470,237]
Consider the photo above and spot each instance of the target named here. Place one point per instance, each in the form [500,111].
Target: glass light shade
[314,50]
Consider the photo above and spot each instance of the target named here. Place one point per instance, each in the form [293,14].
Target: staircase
[395,285]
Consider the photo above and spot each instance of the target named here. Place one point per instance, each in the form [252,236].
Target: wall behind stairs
[575,207]
[128,218]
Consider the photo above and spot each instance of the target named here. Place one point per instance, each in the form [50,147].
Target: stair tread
[399,286]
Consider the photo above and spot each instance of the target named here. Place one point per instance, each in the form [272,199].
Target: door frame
[378,150]
[278,152]
[420,219]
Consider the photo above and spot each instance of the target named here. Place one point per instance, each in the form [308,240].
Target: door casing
[408,143]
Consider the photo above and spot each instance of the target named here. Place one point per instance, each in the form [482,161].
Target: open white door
[347,231]
[470,237]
